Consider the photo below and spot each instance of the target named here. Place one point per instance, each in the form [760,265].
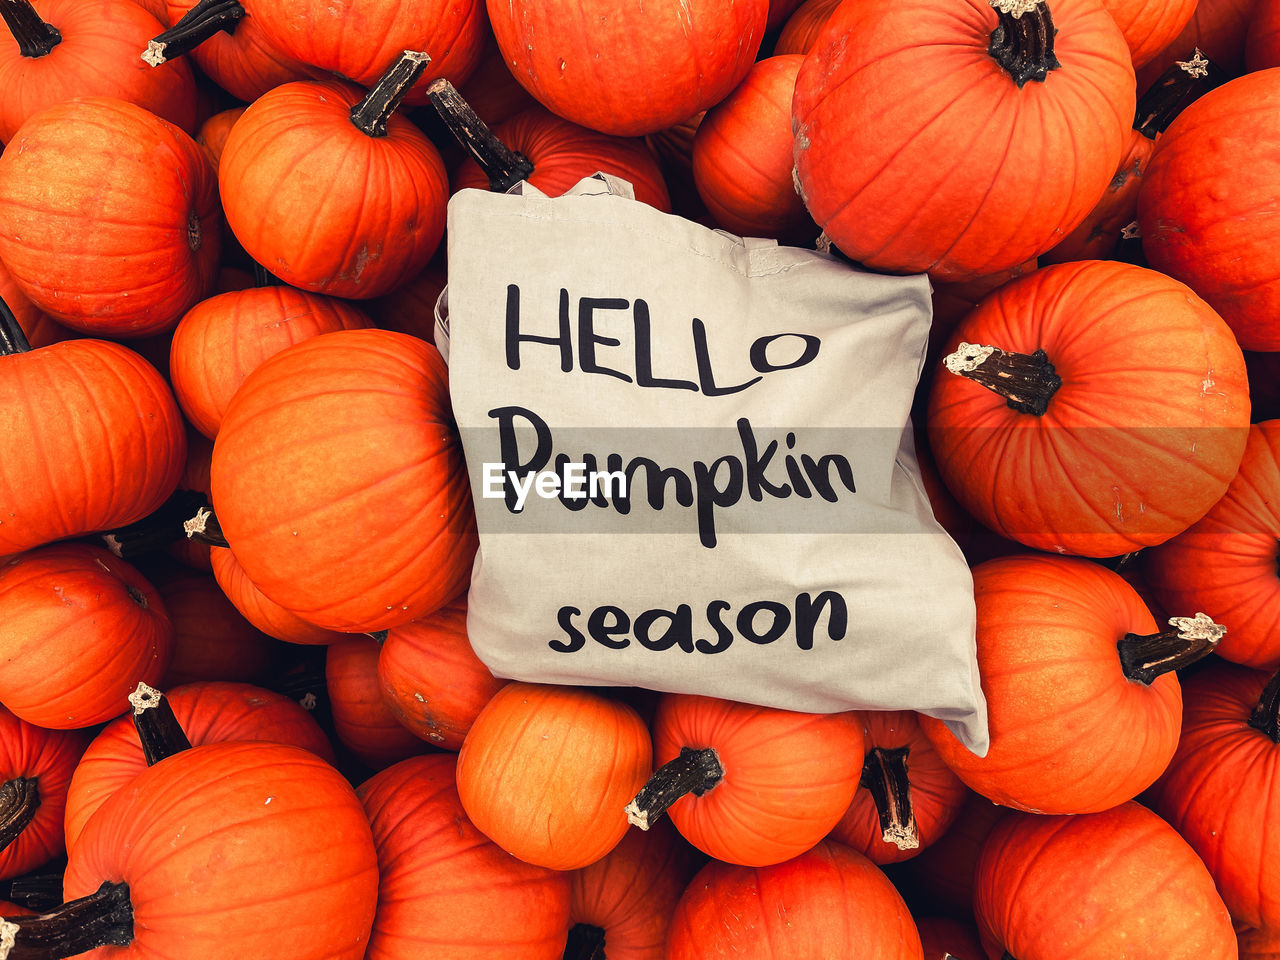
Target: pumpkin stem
[204,528]
[693,771]
[36,891]
[884,774]
[1178,87]
[503,166]
[1144,658]
[1266,715]
[156,530]
[1027,381]
[586,942]
[101,919]
[196,26]
[12,339]
[159,730]
[19,801]
[1022,42]
[370,115]
[35,37]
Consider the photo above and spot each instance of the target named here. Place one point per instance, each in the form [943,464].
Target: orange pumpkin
[361,718]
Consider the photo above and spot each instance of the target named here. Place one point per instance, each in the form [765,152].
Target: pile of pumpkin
[228,470]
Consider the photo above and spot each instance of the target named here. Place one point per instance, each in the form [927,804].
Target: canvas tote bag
[691,462]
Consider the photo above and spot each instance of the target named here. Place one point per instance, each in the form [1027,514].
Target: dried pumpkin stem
[884,775]
[12,339]
[204,528]
[503,166]
[158,729]
[19,801]
[1177,88]
[156,530]
[196,26]
[101,919]
[586,942]
[1022,42]
[35,37]
[371,114]
[1266,715]
[1027,381]
[36,891]
[693,771]
[1144,658]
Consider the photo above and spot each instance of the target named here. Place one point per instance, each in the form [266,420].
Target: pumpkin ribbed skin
[1221,791]
[50,758]
[380,531]
[936,793]
[359,39]
[81,629]
[56,489]
[98,57]
[243,62]
[109,217]
[692,55]
[1262,39]
[1142,437]
[631,892]
[256,850]
[828,902]
[221,340]
[1226,562]
[1206,207]
[210,712]
[546,771]
[383,208]
[562,153]
[788,776]
[267,615]
[361,718]
[213,137]
[1109,884]
[803,27]
[447,892]
[431,679]
[1259,944]
[1070,733]
[742,157]
[916,151]
[1217,28]
[1149,25]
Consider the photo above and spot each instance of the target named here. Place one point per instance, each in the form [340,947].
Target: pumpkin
[227,43]
[1220,790]
[562,153]
[109,217]
[211,640]
[748,784]
[943,872]
[1149,25]
[491,90]
[446,891]
[742,157]
[827,902]
[1204,209]
[1217,29]
[52,490]
[1110,415]
[907,797]
[957,139]
[38,329]
[60,49]
[1114,883]
[803,27]
[689,58]
[361,718]
[221,340]
[382,532]
[943,937]
[1227,560]
[383,185]
[258,849]
[362,38]
[268,616]
[779,11]
[411,307]
[1083,712]
[545,772]
[431,679]
[82,627]
[208,712]
[213,137]
[1258,944]
[1262,39]
[623,903]
[35,771]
